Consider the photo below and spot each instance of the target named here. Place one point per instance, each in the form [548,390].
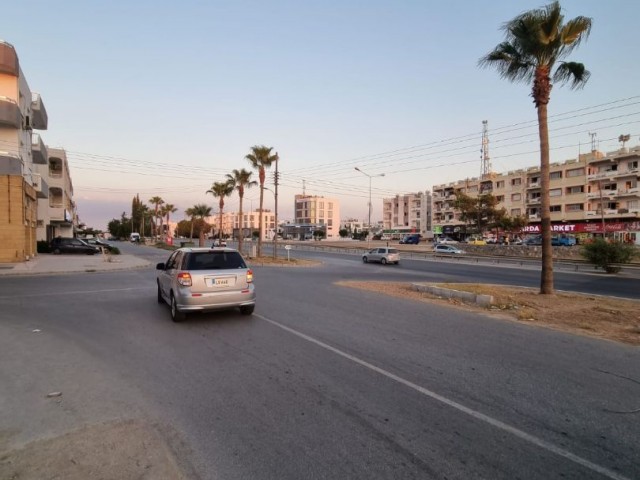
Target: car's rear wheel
[247,309]
[56,251]
[365,259]
[383,261]
[176,315]
[160,299]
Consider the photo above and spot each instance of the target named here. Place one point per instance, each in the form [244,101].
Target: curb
[481,300]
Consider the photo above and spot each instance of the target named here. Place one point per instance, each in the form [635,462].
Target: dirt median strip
[121,450]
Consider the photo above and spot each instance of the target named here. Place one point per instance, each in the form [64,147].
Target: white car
[383,255]
[448,249]
[446,241]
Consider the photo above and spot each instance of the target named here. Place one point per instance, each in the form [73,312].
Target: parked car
[448,249]
[411,239]
[134,237]
[533,241]
[203,279]
[446,241]
[383,255]
[563,241]
[476,241]
[96,242]
[219,243]
[72,245]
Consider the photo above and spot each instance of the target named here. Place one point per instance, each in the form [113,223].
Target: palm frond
[509,61]
[574,31]
[573,72]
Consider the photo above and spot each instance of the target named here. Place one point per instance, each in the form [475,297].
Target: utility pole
[485,170]
[275,181]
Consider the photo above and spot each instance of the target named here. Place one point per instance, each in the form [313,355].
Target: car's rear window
[214,261]
[393,250]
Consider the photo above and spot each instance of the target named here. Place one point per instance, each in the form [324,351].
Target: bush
[114,251]
[608,255]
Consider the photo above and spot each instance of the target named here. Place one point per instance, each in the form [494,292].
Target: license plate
[220,282]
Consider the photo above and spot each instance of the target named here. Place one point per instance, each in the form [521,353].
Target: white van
[134,237]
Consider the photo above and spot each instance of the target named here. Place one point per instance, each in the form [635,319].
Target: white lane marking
[458,406]
[75,292]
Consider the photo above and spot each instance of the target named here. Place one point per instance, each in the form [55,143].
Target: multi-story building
[353,225]
[595,191]
[232,223]
[409,213]
[20,185]
[321,211]
[56,215]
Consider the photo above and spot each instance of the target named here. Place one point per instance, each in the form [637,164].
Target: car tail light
[249,276]
[184,279]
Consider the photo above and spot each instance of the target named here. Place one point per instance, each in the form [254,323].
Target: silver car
[202,279]
[448,249]
[383,255]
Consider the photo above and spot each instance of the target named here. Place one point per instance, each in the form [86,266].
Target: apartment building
[232,223]
[317,210]
[57,216]
[587,194]
[21,111]
[409,213]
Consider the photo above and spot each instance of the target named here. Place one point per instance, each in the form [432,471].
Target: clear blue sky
[164,98]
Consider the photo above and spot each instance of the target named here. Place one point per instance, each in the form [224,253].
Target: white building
[409,213]
[316,210]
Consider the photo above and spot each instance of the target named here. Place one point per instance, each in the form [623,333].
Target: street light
[370,177]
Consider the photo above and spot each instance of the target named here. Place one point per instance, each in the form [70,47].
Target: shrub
[608,255]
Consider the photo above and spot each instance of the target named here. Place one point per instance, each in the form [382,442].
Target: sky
[162,98]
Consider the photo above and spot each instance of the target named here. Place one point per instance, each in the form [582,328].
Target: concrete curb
[481,300]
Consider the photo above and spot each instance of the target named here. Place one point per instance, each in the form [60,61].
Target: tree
[191,214]
[201,211]
[241,179]
[166,211]
[261,159]
[534,42]
[220,190]
[481,212]
[156,202]
[343,232]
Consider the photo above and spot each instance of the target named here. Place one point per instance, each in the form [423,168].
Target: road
[323,381]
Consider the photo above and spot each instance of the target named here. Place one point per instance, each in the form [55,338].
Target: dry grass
[281,261]
[603,317]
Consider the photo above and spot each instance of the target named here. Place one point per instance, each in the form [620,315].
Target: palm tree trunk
[546,278]
[201,236]
[260,217]
[220,231]
[241,232]
[191,235]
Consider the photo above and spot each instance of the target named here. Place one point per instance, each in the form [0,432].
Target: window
[555,208]
[500,184]
[555,175]
[516,197]
[516,181]
[500,198]
[610,186]
[555,192]
[473,188]
[574,190]
[516,212]
[574,207]
[632,165]
[575,172]
[534,181]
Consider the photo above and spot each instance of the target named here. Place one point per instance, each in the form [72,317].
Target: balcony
[9,59]
[632,192]
[38,150]
[41,187]
[601,175]
[40,119]
[534,217]
[533,185]
[533,201]
[10,164]
[632,172]
[10,115]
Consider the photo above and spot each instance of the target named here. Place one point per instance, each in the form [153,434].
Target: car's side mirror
[160,266]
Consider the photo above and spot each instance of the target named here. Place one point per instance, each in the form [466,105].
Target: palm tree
[534,42]
[241,179]
[167,210]
[261,159]
[201,211]
[221,190]
[190,212]
[156,202]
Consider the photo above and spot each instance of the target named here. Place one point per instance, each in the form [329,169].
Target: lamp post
[370,177]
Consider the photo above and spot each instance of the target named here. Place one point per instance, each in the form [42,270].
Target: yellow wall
[18,219]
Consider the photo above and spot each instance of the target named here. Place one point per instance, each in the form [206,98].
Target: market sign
[585,227]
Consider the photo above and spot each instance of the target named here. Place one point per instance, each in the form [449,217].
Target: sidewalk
[46,263]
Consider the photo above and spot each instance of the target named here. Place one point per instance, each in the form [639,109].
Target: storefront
[628,232]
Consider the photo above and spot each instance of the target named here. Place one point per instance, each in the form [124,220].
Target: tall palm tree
[534,42]
[201,211]
[167,210]
[241,179]
[156,202]
[261,159]
[221,190]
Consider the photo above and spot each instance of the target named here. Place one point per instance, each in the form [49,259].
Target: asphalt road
[323,381]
